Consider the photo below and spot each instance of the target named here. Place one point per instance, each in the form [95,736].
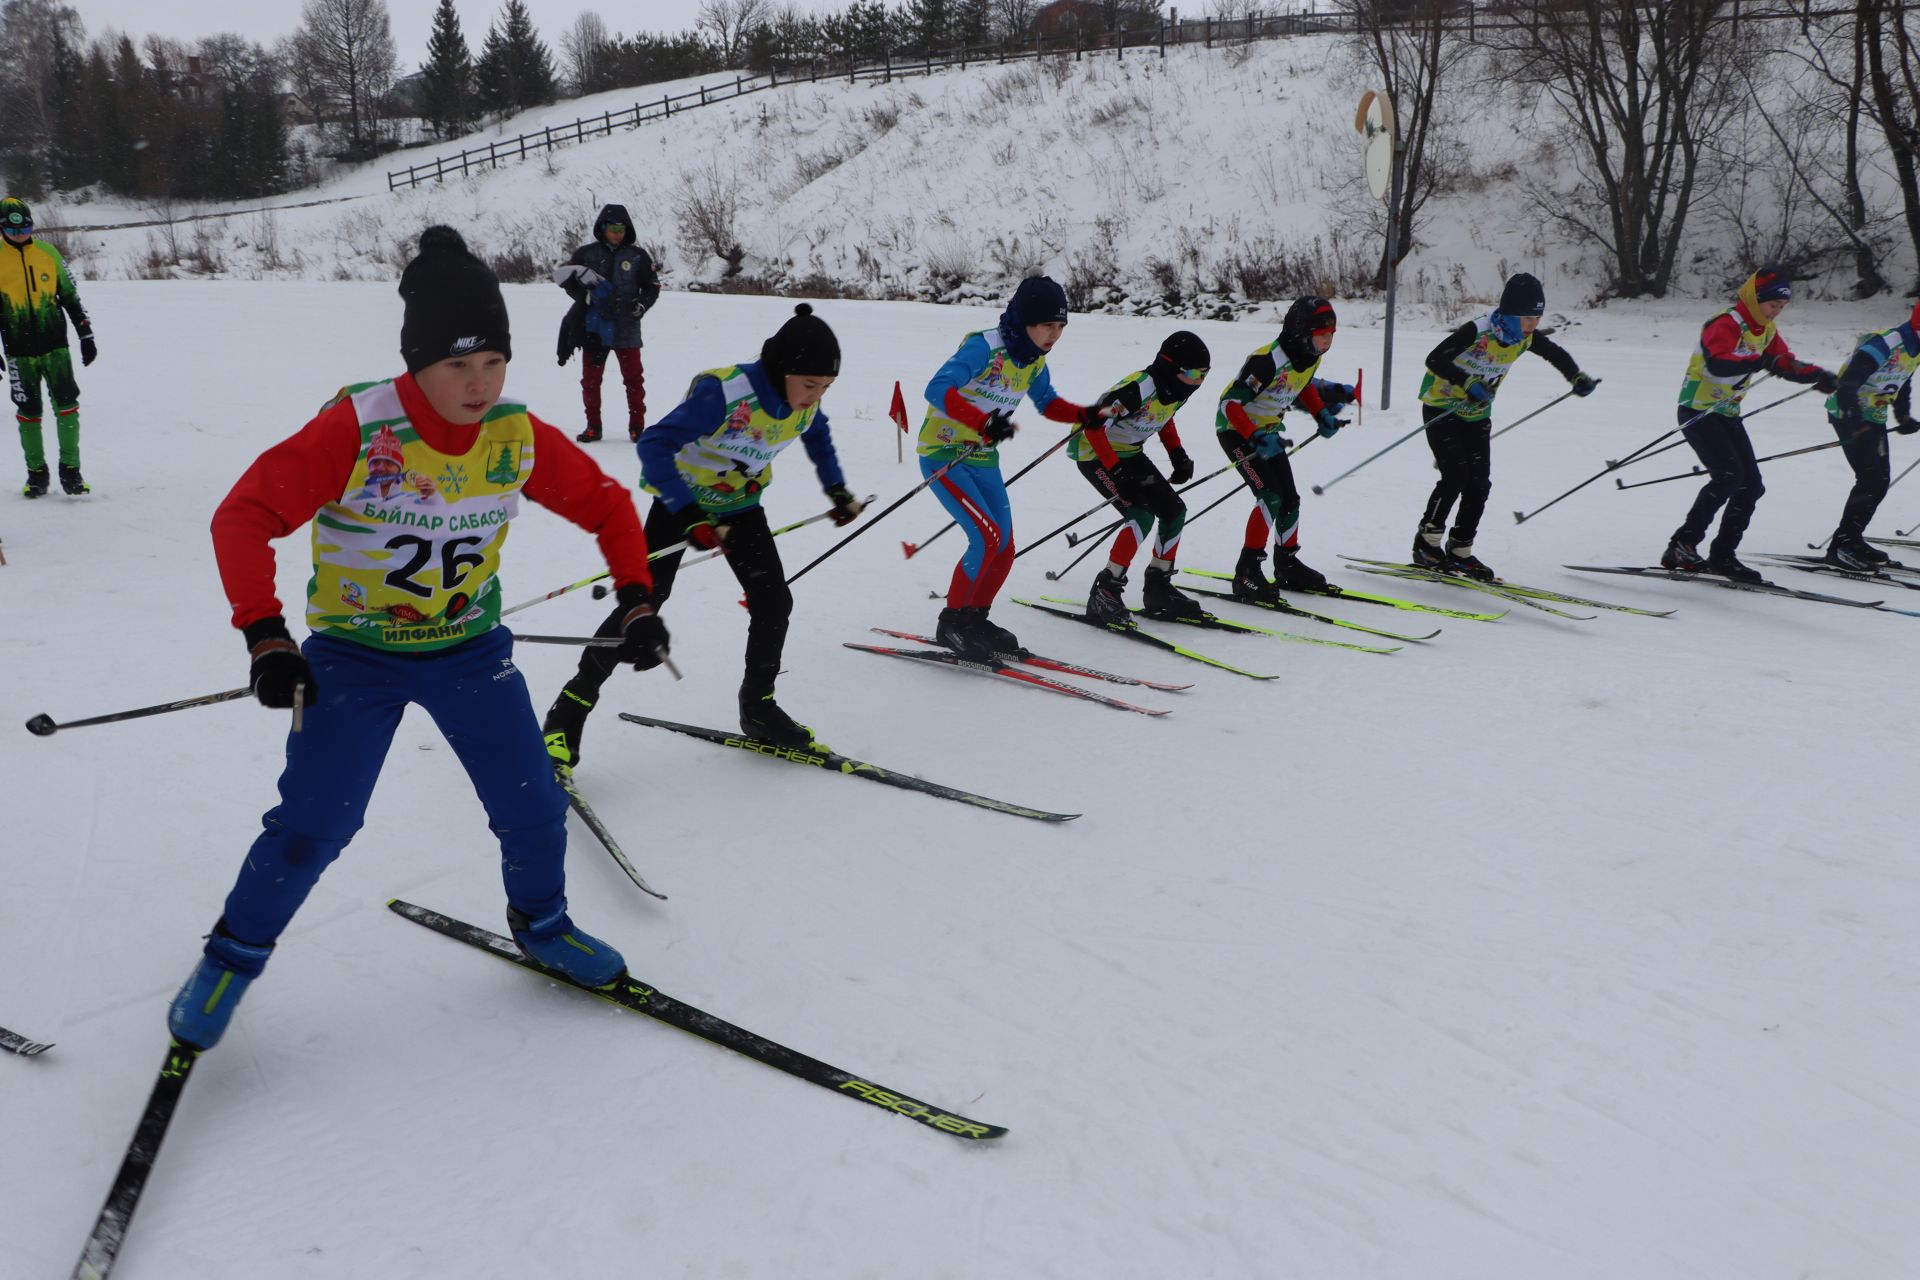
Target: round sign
[1374,121]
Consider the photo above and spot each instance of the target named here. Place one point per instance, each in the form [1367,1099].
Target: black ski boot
[1429,552]
[1853,554]
[37,481]
[1164,600]
[1106,602]
[955,631]
[1728,566]
[591,434]
[762,720]
[1250,582]
[70,481]
[1461,560]
[1683,556]
[997,639]
[565,724]
[1290,575]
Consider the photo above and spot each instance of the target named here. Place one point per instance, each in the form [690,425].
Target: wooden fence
[1208,32]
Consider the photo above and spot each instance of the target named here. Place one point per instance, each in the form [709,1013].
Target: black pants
[1463,451]
[1866,451]
[1271,480]
[1150,497]
[1727,454]
[754,560]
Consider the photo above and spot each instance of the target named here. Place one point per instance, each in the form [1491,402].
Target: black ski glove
[278,665]
[999,427]
[1825,383]
[846,507]
[644,640]
[1132,478]
[1583,384]
[1907,426]
[89,349]
[1182,465]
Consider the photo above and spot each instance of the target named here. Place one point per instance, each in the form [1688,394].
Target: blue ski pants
[479,700]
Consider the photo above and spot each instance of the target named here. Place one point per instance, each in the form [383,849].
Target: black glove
[1584,384]
[639,309]
[1825,383]
[643,636]
[1132,477]
[89,349]
[1907,426]
[846,507]
[999,427]
[1095,415]
[1182,465]
[278,665]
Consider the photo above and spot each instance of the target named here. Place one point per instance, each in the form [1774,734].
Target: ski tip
[908,548]
[42,726]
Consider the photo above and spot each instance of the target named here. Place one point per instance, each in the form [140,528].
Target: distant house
[1064,17]
[294,109]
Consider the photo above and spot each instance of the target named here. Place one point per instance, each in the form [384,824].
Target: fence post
[1163,39]
[1209,21]
[886,65]
[703,95]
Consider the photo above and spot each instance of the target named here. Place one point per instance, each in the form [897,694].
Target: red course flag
[898,409]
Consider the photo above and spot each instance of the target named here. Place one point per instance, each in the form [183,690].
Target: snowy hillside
[1177,185]
[1547,948]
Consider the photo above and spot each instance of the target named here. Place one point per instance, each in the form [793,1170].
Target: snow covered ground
[1548,948]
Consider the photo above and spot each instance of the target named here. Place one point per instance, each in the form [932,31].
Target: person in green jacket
[35,289]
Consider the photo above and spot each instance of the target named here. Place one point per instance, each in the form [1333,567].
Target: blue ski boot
[552,942]
[200,1013]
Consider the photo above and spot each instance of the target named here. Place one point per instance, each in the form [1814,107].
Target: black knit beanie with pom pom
[454,307]
[805,346]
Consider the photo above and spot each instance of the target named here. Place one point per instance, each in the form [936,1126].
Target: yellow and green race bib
[406,559]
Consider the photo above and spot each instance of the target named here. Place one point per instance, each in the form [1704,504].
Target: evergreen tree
[448,71]
[515,69]
[71,160]
[929,25]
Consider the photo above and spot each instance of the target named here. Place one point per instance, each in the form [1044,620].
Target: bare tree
[1802,115]
[1893,82]
[1406,45]
[346,47]
[731,23]
[1013,19]
[1645,86]
[583,52]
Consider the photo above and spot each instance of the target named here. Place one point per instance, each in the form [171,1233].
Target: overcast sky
[266,20]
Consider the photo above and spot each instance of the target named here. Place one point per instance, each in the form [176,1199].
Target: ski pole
[1701,471]
[1075,539]
[598,642]
[966,451]
[598,580]
[1442,417]
[910,549]
[1094,539]
[1537,412]
[1647,451]
[45,726]
[601,591]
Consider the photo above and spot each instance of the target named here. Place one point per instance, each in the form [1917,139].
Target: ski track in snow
[1571,949]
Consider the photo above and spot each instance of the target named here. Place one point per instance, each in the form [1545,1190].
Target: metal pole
[1393,246]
